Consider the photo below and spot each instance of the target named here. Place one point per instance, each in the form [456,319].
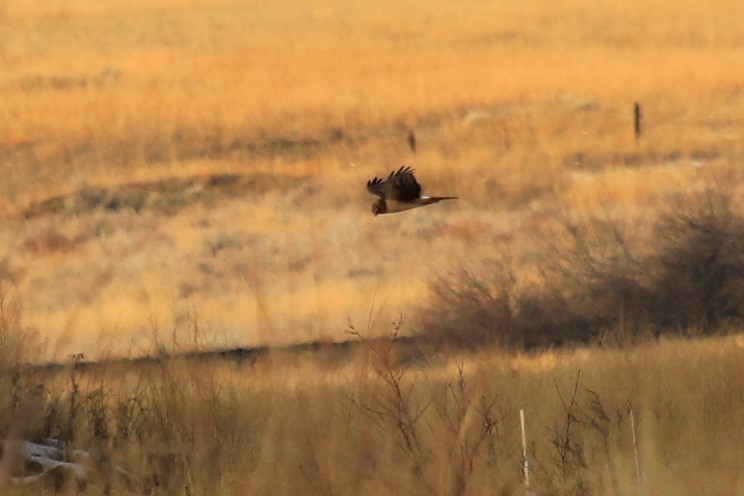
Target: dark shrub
[699,267]
[469,309]
[683,271]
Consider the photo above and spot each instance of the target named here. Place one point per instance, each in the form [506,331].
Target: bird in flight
[399,192]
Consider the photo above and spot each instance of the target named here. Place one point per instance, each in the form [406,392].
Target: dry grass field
[356,422]
[162,159]
[185,176]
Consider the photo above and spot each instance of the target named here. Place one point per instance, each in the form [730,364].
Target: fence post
[637,119]
[525,464]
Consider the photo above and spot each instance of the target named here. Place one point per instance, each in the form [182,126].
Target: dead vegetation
[386,413]
[371,422]
[607,280]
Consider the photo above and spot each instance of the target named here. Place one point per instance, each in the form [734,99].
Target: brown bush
[470,308]
[684,272]
[700,265]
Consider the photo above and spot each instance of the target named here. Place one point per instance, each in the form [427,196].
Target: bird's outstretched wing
[401,185]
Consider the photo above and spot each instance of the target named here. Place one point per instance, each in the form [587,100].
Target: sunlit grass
[327,418]
[521,109]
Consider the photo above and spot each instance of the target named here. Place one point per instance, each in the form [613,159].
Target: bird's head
[379,207]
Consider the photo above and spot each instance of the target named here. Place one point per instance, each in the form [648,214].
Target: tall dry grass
[161,159]
[297,424]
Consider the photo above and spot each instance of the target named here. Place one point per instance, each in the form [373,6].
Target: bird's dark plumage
[401,185]
[400,191]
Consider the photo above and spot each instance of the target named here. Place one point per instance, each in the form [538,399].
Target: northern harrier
[399,192]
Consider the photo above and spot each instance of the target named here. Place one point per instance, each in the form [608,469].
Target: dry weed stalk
[396,402]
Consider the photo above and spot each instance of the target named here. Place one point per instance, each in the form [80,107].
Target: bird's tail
[428,200]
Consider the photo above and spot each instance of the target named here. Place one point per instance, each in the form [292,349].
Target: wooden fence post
[637,119]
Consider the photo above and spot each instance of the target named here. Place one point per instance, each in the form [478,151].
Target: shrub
[683,271]
[471,308]
[700,265]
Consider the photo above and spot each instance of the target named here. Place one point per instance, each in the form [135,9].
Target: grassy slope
[518,108]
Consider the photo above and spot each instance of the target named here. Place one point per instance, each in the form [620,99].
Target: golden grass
[233,70]
[519,108]
[326,421]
